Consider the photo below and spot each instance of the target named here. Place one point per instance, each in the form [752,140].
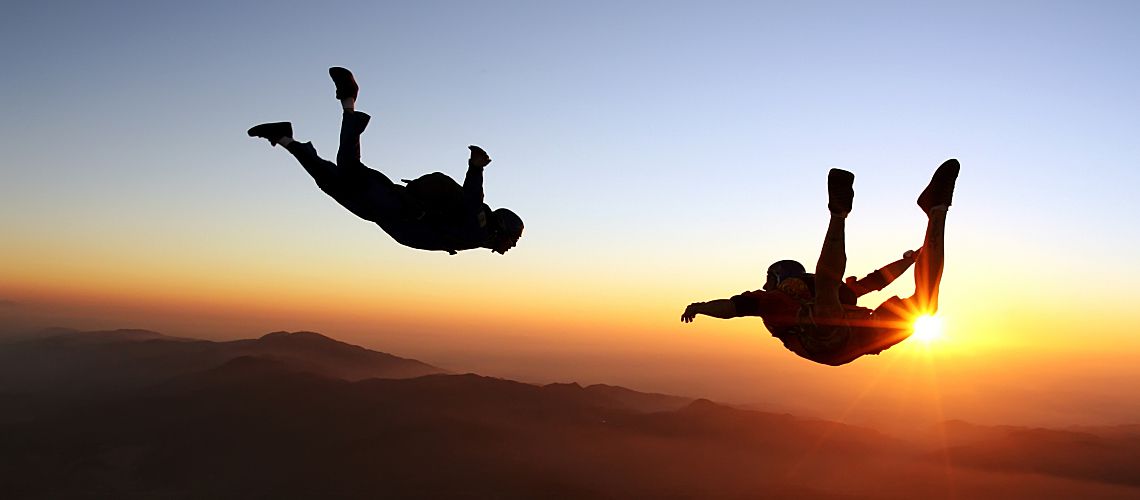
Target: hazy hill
[262,426]
[61,361]
[1110,454]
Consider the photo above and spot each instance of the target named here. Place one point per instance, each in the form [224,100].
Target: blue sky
[660,152]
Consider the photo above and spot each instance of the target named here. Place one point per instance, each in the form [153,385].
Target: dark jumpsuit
[787,315]
[372,196]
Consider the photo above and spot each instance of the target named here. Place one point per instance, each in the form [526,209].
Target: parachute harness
[816,340]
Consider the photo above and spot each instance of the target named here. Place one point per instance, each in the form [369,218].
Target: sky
[660,153]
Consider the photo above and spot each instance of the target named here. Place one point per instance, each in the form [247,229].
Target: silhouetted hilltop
[334,358]
[301,336]
[91,363]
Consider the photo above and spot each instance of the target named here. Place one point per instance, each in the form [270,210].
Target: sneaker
[840,193]
[272,132]
[478,157]
[941,188]
[346,86]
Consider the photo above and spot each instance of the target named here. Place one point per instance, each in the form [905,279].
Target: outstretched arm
[720,308]
[473,182]
[884,276]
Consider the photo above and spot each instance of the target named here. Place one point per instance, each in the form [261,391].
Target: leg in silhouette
[281,134]
[833,256]
[935,201]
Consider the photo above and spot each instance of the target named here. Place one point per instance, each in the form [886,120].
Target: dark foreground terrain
[133,414]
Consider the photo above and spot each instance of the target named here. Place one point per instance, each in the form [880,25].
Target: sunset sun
[927,328]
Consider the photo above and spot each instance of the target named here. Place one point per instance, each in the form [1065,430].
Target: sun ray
[927,328]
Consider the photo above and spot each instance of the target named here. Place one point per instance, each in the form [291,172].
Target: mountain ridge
[96,362]
[267,422]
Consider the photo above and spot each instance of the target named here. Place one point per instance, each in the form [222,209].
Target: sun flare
[927,328]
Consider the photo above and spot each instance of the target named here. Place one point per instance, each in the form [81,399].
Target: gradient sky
[660,153]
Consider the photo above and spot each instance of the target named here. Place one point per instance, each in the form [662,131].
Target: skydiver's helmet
[506,230]
[780,270]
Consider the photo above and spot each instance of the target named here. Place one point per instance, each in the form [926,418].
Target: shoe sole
[840,190]
[286,128]
[940,191]
[344,81]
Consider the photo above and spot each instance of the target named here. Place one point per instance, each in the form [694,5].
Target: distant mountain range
[61,361]
[135,414]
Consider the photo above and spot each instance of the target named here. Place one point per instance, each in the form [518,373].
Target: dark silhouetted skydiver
[432,212]
[815,316]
